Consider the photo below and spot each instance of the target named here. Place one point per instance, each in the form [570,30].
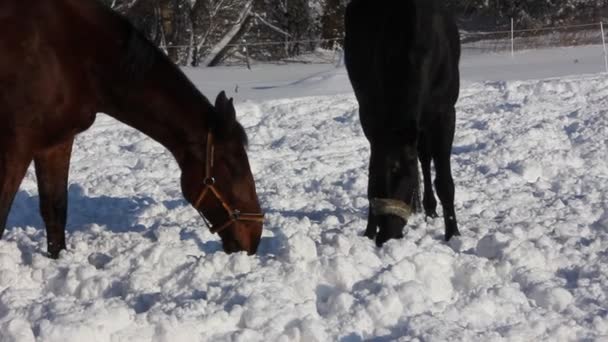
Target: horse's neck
[164,106]
[138,85]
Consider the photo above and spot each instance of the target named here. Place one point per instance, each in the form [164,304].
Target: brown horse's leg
[52,167]
[444,183]
[13,165]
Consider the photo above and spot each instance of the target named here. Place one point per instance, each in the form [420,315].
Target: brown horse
[63,61]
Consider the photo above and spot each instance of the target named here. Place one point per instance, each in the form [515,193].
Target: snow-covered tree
[218,24]
[332,22]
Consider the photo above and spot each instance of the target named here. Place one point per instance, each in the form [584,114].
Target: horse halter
[234,215]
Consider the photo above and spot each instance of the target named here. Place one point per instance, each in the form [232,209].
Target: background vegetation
[208,32]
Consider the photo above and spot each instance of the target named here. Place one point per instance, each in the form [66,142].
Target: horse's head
[217,181]
[393,187]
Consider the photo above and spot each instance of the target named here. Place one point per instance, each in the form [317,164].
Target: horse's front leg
[13,165]
[372,220]
[372,224]
[52,168]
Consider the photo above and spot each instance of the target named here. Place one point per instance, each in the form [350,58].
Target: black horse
[402,59]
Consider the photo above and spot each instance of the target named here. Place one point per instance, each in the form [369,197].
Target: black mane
[140,55]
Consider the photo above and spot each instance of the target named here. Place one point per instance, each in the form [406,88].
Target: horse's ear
[225,106]
[230,110]
[220,101]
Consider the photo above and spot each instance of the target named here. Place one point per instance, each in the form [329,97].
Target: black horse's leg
[444,183]
[372,225]
[372,220]
[404,187]
[52,167]
[425,155]
[13,165]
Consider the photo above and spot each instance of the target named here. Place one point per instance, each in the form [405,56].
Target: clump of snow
[16,330]
[492,246]
[301,248]
[556,299]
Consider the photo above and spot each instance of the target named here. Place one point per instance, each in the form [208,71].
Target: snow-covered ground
[530,169]
[265,82]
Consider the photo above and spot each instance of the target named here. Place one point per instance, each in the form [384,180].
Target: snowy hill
[530,170]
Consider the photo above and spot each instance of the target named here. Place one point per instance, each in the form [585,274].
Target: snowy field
[530,165]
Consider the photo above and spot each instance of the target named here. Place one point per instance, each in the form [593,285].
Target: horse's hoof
[54,251]
[370,235]
[382,239]
[450,235]
[432,215]
[53,255]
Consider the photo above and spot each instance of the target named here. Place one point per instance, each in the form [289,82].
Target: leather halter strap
[234,215]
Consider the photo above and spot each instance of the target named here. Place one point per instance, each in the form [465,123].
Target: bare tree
[217,25]
[332,23]
[176,29]
[209,31]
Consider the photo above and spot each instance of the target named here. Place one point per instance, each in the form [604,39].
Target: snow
[530,170]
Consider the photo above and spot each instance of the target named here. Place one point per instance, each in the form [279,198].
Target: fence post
[512,37]
[246,51]
[339,57]
[604,44]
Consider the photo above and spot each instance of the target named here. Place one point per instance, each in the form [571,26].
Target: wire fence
[528,39]
[488,42]
[519,40]
[327,51]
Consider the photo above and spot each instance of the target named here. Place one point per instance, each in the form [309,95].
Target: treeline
[208,32]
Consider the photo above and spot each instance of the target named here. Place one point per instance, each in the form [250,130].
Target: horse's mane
[139,55]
